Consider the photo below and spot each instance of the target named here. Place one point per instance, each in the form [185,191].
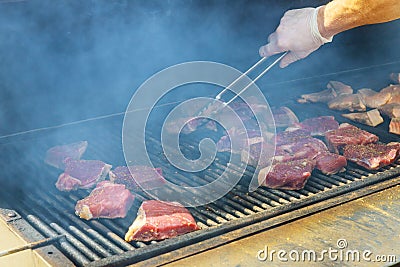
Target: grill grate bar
[97,225]
[277,196]
[44,229]
[220,212]
[211,215]
[101,248]
[312,183]
[193,181]
[311,189]
[64,225]
[252,199]
[237,209]
[73,218]
[50,219]
[262,199]
[328,181]
[67,248]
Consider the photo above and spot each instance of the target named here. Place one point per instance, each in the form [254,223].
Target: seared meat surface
[347,102]
[107,200]
[148,177]
[308,147]
[290,136]
[318,125]
[330,163]
[323,96]
[371,118]
[348,134]
[373,99]
[372,156]
[291,175]
[340,88]
[157,220]
[390,110]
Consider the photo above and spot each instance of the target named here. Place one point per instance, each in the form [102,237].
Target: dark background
[63,61]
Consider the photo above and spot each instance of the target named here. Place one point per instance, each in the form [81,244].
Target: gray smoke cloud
[63,61]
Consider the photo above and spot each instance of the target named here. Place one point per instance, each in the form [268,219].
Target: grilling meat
[323,96]
[318,125]
[107,200]
[260,155]
[149,178]
[284,117]
[340,88]
[55,156]
[330,163]
[157,220]
[373,99]
[190,125]
[371,118]
[391,110]
[394,126]
[395,77]
[291,175]
[334,89]
[245,138]
[82,174]
[395,99]
[372,156]
[290,135]
[347,102]
[307,147]
[392,89]
[348,134]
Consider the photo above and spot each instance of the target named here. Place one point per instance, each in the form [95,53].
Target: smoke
[63,61]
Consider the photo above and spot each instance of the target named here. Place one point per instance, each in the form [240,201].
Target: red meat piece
[318,125]
[82,174]
[148,177]
[291,175]
[107,200]
[372,156]
[55,156]
[330,163]
[157,220]
[348,134]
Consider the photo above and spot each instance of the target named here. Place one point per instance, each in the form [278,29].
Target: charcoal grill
[33,208]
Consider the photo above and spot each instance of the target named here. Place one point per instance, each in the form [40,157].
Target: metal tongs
[218,97]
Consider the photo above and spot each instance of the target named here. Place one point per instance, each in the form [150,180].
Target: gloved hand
[297,33]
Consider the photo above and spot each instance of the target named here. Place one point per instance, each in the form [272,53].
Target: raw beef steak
[330,163]
[55,156]
[308,147]
[372,156]
[107,200]
[82,174]
[290,136]
[157,220]
[291,175]
[348,134]
[149,177]
[318,125]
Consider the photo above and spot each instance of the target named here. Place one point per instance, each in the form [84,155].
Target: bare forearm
[341,15]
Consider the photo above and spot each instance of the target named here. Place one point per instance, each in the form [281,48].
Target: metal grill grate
[100,242]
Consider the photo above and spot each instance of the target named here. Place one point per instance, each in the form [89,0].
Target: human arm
[341,15]
[302,31]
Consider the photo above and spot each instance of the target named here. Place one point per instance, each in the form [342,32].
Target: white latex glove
[297,33]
